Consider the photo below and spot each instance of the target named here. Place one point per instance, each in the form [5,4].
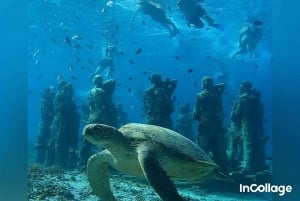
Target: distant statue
[47,116]
[158,102]
[247,137]
[184,121]
[102,110]
[63,141]
[209,113]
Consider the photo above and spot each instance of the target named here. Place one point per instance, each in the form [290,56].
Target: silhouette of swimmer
[193,12]
[249,37]
[156,12]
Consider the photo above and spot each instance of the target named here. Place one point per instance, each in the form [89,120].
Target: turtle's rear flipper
[156,176]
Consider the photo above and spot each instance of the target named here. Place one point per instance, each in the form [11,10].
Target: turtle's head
[100,134]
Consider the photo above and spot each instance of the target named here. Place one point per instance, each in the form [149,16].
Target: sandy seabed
[52,184]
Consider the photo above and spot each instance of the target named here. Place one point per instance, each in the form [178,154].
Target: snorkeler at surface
[249,37]
[193,12]
[156,12]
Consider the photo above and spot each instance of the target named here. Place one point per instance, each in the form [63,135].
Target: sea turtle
[155,153]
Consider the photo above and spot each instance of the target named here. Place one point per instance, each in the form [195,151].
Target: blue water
[233,14]
[205,51]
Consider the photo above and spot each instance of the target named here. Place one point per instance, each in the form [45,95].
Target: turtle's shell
[174,142]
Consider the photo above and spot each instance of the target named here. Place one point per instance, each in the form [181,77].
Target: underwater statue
[158,103]
[47,115]
[63,141]
[152,152]
[102,110]
[184,121]
[208,111]
[247,137]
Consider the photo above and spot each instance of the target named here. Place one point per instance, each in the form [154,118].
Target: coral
[47,182]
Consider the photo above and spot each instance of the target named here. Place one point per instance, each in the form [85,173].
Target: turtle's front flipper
[98,175]
[154,173]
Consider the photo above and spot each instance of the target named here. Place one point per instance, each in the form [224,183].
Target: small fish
[37,62]
[138,51]
[76,37]
[131,61]
[193,38]
[73,77]
[82,67]
[190,70]
[145,73]
[117,26]
[207,28]
[36,52]
[121,53]
[68,41]
[256,66]
[177,57]
[129,90]
[130,78]
[143,23]
[195,84]
[71,67]
[207,57]
[110,3]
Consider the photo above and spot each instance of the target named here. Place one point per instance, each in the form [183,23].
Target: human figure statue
[102,110]
[158,101]
[249,37]
[47,115]
[184,121]
[247,137]
[194,13]
[63,141]
[208,111]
